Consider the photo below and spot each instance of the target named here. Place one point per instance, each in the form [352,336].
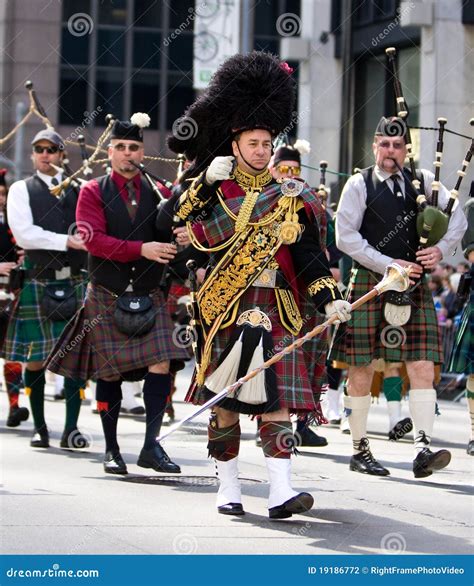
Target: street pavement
[60,502]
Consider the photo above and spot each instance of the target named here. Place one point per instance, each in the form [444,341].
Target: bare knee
[421,374]
[160,367]
[280,415]
[34,366]
[226,418]
[359,380]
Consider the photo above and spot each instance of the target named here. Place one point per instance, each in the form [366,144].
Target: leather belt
[52,274]
[271,279]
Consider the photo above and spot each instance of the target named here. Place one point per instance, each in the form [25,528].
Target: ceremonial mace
[396,278]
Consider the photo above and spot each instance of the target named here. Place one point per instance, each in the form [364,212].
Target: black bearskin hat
[248,91]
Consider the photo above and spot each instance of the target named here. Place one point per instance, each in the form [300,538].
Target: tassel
[27,391]
[82,394]
[226,373]
[253,391]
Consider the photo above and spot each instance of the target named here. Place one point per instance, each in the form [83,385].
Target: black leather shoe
[365,463]
[72,439]
[16,416]
[231,509]
[308,438]
[300,503]
[427,461]
[400,429]
[40,438]
[157,459]
[114,464]
[470,448]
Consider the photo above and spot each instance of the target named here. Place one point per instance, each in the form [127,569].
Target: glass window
[72,97]
[111,48]
[181,12]
[180,52]
[145,95]
[74,50]
[148,13]
[72,7]
[409,74]
[109,93]
[369,107]
[374,97]
[113,12]
[179,96]
[146,50]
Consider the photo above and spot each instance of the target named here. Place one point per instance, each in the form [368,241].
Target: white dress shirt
[350,214]
[28,235]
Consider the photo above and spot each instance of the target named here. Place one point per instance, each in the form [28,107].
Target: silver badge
[292,187]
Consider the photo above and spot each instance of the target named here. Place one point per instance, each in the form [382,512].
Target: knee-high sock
[12,372]
[470,401]
[358,412]
[109,399]
[34,387]
[277,439]
[73,392]
[422,409]
[224,442]
[392,388]
[156,390]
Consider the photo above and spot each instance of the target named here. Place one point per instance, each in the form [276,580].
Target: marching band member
[261,236]
[376,225]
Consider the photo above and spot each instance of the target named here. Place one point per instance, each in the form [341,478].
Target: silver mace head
[396,278]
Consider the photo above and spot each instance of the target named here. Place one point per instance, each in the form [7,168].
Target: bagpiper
[123,331]
[376,223]
[54,281]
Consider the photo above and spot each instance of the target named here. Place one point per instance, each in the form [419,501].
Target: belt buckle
[266,279]
[63,273]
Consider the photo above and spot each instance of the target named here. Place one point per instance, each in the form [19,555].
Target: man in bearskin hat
[261,236]
[124,328]
[376,224]
[54,281]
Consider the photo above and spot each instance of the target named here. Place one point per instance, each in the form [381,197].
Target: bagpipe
[432,222]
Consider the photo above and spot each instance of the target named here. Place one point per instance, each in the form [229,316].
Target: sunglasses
[133,148]
[51,150]
[286,168]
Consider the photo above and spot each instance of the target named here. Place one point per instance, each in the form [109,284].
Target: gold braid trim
[288,311]
[323,283]
[190,200]
[254,181]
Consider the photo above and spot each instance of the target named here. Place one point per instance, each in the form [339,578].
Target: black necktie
[131,200]
[54,181]
[397,190]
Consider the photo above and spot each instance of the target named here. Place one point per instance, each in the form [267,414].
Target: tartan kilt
[30,337]
[91,347]
[462,357]
[315,350]
[293,384]
[368,336]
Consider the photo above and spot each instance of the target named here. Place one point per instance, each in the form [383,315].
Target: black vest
[7,247]
[143,274]
[55,215]
[389,223]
